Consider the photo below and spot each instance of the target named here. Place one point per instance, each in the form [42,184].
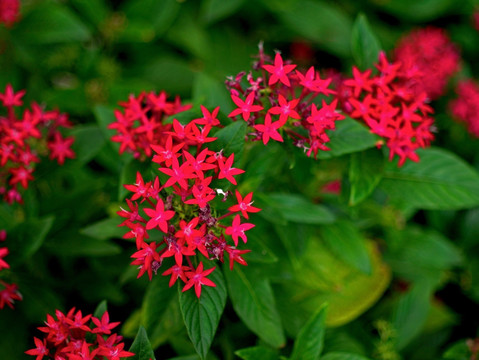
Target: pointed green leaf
[309,342]
[342,356]
[364,44]
[347,243]
[141,346]
[458,351]
[349,136]
[156,301]
[105,229]
[53,22]
[295,208]
[230,139]
[257,353]
[365,173]
[440,181]
[322,277]
[211,93]
[410,313]
[422,254]
[254,302]
[28,238]
[100,309]
[319,21]
[89,140]
[202,316]
[214,10]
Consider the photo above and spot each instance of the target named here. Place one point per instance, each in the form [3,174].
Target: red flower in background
[466,107]
[23,138]
[390,107]
[9,11]
[142,122]
[428,60]
[72,336]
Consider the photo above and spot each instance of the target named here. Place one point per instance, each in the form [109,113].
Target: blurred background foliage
[83,57]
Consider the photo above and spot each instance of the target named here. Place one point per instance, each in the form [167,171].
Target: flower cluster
[177,214]
[391,109]
[142,122]
[466,107]
[428,59]
[9,293]
[9,11]
[23,138]
[280,101]
[77,337]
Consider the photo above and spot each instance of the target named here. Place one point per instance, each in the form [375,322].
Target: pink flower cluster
[428,59]
[391,109]
[77,337]
[178,211]
[278,99]
[466,107]
[23,138]
[142,122]
[9,293]
[9,11]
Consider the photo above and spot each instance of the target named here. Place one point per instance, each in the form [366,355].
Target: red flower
[237,230]
[244,107]
[198,278]
[227,170]
[60,148]
[3,263]
[41,349]
[103,325]
[278,71]
[176,271]
[244,205]
[10,99]
[269,129]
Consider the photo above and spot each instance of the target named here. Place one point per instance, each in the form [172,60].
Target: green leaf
[364,44]
[420,10]
[458,351]
[347,243]
[155,302]
[214,10]
[94,10]
[342,356]
[105,229]
[320,22]
[322,277]
[349,136]
[422,254]
[230,139]
[439,181]
[170,73]
[410,313]
[141,346]
[148,18]
[52,22]
[365,173]
[28,237]
[254,302]
[201,316]
[100,309]
[296,208]
[79,245]
[211,93]
[257,353]
[309,342]
[89,140]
